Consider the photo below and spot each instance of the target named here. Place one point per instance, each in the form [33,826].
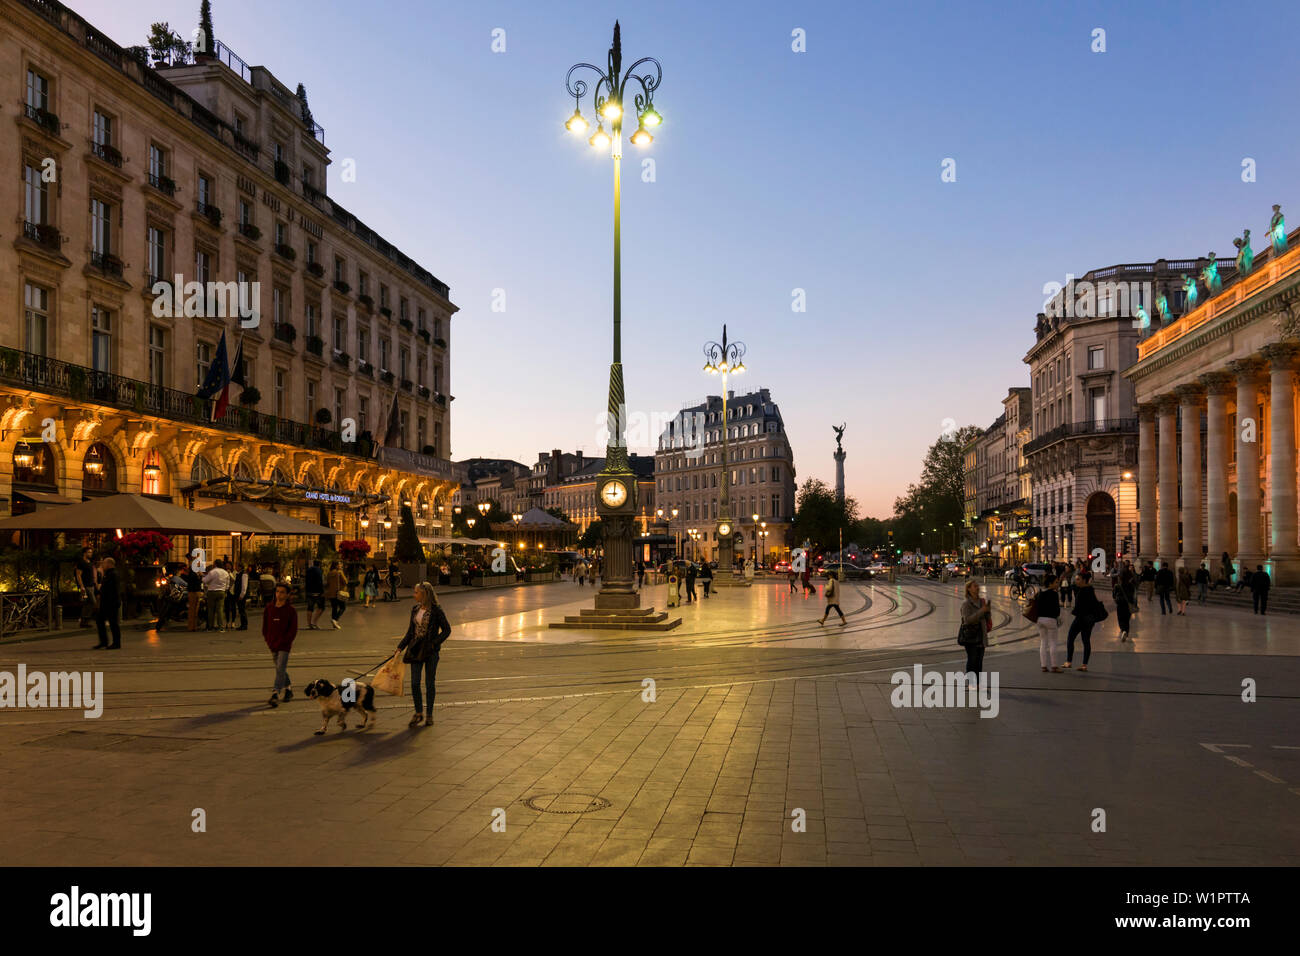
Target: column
[1217,386]
[1167,532]
[1250,549]
[1284,553]
[1146,545]
[1191,398]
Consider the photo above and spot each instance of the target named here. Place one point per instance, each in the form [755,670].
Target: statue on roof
[1213,283]
[1245,256]
[1277,231]
[1189,290]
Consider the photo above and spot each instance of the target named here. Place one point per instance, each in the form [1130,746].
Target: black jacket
[1048,603]
[110,596]
[418,650]
[1086,603]
[1260,582]
[1165,579]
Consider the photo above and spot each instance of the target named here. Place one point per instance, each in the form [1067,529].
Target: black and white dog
[337,701]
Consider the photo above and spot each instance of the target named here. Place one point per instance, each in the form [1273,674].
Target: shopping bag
[390,676]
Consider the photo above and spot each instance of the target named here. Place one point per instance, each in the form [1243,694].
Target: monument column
[1191,398]
[1217,386]
[1167,533]
[1284,551]
[1250,548]
[1147,483]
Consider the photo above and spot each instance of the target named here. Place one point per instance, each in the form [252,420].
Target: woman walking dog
[425,635]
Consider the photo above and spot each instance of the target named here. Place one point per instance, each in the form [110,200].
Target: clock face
[724,529]
[614,493]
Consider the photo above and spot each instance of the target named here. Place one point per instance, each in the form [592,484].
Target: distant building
[688,467]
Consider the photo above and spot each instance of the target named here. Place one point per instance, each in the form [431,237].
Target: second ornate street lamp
[616,489]
[725,358]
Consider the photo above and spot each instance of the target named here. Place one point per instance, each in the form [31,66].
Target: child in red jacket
[279,628]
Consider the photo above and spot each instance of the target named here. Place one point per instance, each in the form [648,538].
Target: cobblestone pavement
[760,717]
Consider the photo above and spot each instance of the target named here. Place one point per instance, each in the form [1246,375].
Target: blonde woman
[425,634]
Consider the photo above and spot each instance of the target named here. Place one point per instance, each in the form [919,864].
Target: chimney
[553,467]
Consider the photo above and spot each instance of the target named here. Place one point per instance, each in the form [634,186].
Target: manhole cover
[135,743]
[566,803]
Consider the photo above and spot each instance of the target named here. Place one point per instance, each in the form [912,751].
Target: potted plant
[142,552]
[408,550]
[354,554]
[249,397]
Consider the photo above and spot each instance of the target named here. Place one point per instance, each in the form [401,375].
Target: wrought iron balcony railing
[163,184]
[1105,426]
[209,211]
[43,118]
[62,379]
[106,263]
[42,233]
[107,153]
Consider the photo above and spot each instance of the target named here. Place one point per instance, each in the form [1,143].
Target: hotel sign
[328,496]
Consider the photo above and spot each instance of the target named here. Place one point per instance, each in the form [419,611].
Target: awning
[45,498]
[128,512]
[267,522]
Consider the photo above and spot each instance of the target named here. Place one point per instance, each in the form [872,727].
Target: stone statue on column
[840,455]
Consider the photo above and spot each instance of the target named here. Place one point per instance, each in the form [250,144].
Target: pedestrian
[370,585]
[108,616]
[1260,583]
[1182,590]
[1125,600]
[706,577]
[336,591]
[1088,611]
[793,577]
[640,575]
[425,634]
[1067,585]
[240,587]
[216,582]
[1243,578]
[85,574]
[1164,585]
[832,595]
[1225,571]
[279,628]
[806,579]
[194,595]
[976,622]
[1149,579]
[444,574]
[1047,606]
[266,586]
[690,583]
[315,591]
[580,571]
[1202,582]
[394,578]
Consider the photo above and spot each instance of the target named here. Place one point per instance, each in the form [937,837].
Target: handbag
[970,634]
[390,676]
[1100,614]
[1030,610]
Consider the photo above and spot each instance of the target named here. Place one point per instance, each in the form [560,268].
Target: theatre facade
[1216,397]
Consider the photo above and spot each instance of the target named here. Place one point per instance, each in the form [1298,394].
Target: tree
[168,47]
[820,516]
[939,500]
[306,110]
[408,546]
[594,536]
[559,513]
[207,39]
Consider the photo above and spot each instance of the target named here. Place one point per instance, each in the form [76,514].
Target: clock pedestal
[725,577]
[617,578]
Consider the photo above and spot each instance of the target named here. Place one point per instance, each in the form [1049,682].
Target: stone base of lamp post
[618,601]
[725,576]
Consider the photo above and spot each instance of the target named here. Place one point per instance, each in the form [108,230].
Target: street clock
[616,495]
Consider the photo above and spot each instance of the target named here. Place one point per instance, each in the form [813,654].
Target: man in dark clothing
[279,628]
[640,574]
[315,590]
[194,595]
[1164,585]
[109,615]
[1202,583]
[690,583]
[706,576]
[240,584]
[86,586]
[1260,582]
[1149,579]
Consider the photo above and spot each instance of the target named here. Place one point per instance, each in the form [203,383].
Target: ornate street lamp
[616,490]
[725,358]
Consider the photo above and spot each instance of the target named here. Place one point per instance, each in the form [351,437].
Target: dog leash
[379,665]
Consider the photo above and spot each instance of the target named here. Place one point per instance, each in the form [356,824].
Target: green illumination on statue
[1213,284]
[1162,306]
[1245,256]
[1277,231]
[1189,288]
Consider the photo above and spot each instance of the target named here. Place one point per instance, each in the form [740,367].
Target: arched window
[99,470]
[201,470]
[34,464]
[243,472]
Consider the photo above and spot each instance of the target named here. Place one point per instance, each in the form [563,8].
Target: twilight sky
[778,171]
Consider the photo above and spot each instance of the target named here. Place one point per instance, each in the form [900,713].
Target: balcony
[315,269]
[385,311]
[341,287]
[249,231]
[285,251]
[42,234]
[366,301]
[209,212]
[48,376]
[282,171]
[315,345]
[441,343]
[1105,426]
[43,118]
[407,385]
[311,193]
[406,324]
[106,263]
[342,359]
[423,391]
[163,184]
[284,332]
[107,153]
[423,464]
[387,377]
[424,334]
[365,368]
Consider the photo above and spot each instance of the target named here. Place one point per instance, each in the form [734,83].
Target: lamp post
[677,536]
[754,517]
[616,489]
[725,358]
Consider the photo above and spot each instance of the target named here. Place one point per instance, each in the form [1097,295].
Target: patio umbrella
[266,522]
[128,512]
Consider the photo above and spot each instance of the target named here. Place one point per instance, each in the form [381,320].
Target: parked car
[1034,570]
[781,567]
[845,572]
[954,569]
